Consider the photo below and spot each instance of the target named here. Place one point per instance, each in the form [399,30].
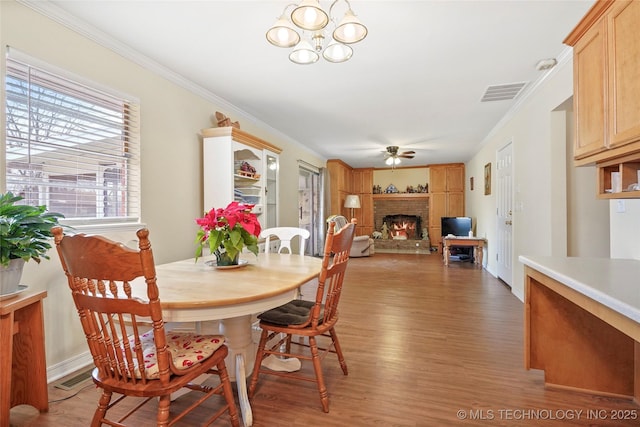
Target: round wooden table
[195,292]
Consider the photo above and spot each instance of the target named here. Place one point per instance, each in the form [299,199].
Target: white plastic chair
[285,234]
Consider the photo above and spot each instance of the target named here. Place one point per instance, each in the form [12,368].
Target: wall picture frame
[471,183]
[487,179]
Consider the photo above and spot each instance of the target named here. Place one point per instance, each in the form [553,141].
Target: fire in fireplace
[403,227]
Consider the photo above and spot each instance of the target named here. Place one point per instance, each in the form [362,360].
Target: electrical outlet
[620,207]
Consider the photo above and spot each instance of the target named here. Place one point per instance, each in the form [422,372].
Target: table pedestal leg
[241,358]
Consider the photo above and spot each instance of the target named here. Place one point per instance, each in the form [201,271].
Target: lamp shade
[352,201]
[393,161]
[283,33]
[337,52]
[350,29]
[304,54]
[309,15]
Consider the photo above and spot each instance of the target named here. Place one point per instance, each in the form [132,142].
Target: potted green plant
[25,233]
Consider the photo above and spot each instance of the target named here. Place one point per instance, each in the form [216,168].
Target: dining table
[197,292]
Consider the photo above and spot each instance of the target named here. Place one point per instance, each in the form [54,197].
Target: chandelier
[311,20]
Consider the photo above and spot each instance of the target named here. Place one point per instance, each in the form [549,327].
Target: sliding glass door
[311,206]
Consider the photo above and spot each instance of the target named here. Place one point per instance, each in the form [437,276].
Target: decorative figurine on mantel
[224,121]
[391,189]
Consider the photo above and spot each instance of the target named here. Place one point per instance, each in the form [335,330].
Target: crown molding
[64,18]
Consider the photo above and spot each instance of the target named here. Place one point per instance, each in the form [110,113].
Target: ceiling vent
[503,92]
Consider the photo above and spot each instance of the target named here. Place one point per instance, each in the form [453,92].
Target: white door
[504,201]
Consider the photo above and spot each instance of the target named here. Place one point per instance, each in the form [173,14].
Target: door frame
[504,213]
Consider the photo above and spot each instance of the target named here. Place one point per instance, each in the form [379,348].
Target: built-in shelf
[396,196]
[627,171]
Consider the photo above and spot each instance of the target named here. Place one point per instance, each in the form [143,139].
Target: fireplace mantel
[400,196]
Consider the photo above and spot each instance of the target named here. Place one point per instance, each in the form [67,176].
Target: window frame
[127,146]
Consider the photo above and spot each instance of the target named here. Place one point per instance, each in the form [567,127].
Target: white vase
[10,276]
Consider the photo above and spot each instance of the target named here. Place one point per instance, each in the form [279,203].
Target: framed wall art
[487,179]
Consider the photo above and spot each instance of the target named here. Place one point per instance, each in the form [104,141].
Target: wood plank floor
[425,346]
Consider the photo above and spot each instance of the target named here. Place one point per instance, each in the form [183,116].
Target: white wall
[533,129]
[625,228]
[401,177]
[586,235]
[554,214]
[171,159]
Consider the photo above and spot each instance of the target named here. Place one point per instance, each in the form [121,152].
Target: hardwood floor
[425,346]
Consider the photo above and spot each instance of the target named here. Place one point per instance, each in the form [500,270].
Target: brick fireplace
[401,205]
[403,227]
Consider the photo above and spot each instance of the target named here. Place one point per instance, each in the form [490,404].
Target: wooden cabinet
[446,184]
[607,90]
[225,149]
[589,76]
[606,50]
[623,49]
[339,186]
[362,180]
[446,178]
[345,180]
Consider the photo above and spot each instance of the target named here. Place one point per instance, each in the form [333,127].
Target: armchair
[362,245]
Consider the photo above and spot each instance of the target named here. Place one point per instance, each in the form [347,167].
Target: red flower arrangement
[226,231]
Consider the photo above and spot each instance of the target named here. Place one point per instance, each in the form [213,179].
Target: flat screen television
[457,225]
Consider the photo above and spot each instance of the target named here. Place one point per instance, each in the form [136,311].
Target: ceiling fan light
[350,29]
[337,52]
[310,16]
[282,33]
[304,54]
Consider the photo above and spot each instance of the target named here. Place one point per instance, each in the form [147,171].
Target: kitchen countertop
[615,283]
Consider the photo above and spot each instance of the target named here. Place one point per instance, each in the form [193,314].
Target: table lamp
[352,201]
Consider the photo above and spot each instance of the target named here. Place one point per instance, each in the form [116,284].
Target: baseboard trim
[69,366]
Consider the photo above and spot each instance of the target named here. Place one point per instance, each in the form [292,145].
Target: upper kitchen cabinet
[241,167]
[607,82]
[589,77]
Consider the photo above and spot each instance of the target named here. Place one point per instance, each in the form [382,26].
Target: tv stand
[477,243]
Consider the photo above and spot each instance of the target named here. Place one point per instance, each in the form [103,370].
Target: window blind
[71,147]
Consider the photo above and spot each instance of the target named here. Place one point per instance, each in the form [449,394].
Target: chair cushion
[186,350]
[294,312]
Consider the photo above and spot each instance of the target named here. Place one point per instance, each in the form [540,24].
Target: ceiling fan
[392,156]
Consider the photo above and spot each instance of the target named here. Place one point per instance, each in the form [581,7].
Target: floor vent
[503,92]
[75,381]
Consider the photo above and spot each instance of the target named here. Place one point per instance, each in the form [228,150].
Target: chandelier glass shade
[304,53]
[304,30]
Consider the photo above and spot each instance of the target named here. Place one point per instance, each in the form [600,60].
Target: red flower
[230,229]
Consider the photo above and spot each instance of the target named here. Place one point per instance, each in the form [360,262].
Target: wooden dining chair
[309,319]
[285,235]
[133,354]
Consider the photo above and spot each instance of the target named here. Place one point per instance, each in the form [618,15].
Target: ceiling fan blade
[406,156]
[409,152]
